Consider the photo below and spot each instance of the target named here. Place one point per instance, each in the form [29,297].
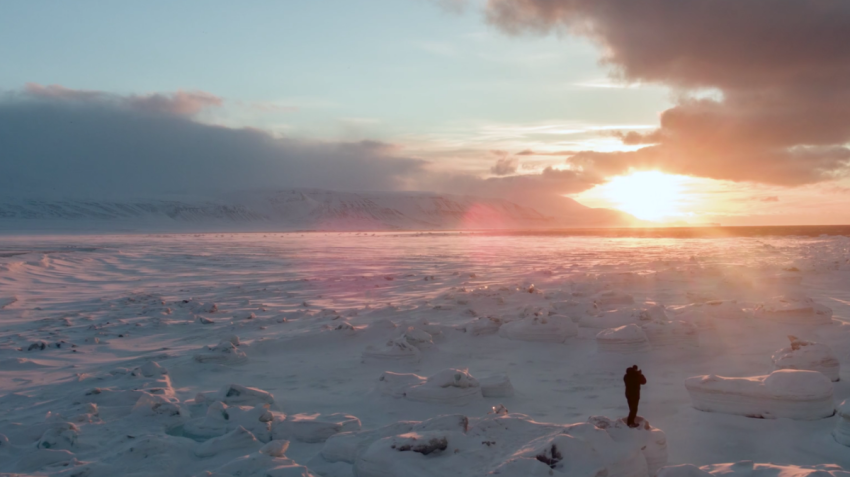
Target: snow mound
[842,427]
[450,386]
[795,309]
[555,329]
[671,333]
[793,394]
[809,356]
[749,468]
[504,444]
[624,339]
[398,349]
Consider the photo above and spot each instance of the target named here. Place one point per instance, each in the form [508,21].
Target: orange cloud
[781,68]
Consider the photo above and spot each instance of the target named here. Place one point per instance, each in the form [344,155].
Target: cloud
[781,68]
[182,103]
[505,166]
[64,143]
[68,142]
[531,152]
[772,198]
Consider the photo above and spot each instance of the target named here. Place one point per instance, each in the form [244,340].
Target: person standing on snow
[634,378]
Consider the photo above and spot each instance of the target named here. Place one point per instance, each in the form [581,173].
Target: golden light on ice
[648,195]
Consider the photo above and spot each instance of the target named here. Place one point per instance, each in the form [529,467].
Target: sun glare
[648,195]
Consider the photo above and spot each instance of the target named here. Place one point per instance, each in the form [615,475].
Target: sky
[698,112]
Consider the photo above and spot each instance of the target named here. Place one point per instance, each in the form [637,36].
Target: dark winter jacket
[633,380]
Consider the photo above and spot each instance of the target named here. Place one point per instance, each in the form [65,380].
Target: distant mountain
[307,209]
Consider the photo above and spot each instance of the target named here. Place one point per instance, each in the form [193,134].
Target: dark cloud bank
[64,142]
[782,68]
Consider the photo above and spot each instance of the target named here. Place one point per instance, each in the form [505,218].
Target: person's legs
[633,408]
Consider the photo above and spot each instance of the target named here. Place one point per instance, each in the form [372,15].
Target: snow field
[251,355]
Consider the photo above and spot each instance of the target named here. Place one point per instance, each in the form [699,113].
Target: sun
[648,195]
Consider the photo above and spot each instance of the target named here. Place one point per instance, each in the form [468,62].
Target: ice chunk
[60,435]
[796,309]
[612,318]
[275,448]
[482,326]
[671,333]
[502,444]
[345,447]
[312,428]
[794,394]
[749,468]
[613,297]
[397,384]
[398,349]
[450,386]
[625,339]
[497,385]
[260,464]
[555,328]
[418,338]
[151,405]
[403,454]
[451,422]
[225,352]
[152,369]
[214,424]
[240,438]
[242,395]
[804,354]
[842,427]
[684,470]
[705,314]
[653,441]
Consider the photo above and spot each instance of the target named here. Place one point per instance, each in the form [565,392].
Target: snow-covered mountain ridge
[308,209]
